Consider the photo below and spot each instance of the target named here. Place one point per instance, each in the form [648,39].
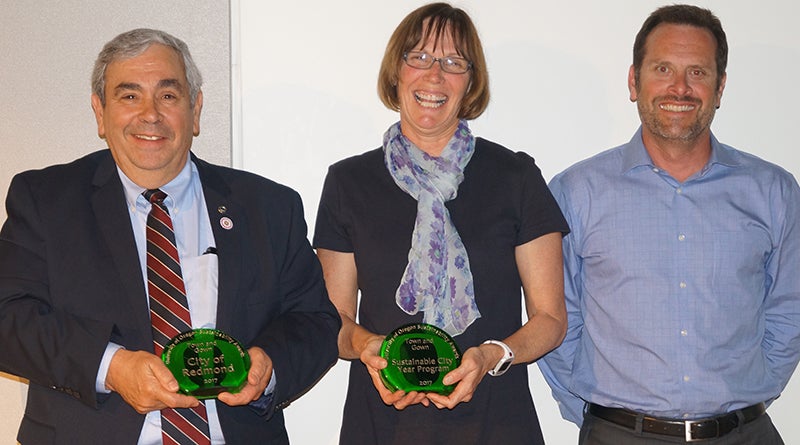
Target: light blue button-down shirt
[683,299]
[193,235]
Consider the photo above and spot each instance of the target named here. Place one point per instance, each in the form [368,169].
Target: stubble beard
[673,131]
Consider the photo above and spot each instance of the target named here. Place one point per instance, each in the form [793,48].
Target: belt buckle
[687,425]
[687,429]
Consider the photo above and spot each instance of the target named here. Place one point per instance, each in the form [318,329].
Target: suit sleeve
[42,342]
[301,340]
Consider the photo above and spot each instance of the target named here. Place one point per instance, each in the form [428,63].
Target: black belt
[691,430]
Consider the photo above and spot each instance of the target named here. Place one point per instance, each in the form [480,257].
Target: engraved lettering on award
[419,355]
[207,362]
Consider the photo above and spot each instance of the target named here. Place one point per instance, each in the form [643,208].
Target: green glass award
[207,362]
[419,355]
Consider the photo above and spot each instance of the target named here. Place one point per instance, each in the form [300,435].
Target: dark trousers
[595,431]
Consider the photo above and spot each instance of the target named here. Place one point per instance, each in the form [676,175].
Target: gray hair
[133,43]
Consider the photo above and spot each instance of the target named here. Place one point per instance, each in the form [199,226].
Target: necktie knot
[154,196]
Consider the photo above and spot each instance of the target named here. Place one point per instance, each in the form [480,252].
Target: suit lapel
[228,224]
[110,211]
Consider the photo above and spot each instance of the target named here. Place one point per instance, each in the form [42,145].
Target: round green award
[419,355]
[207,362]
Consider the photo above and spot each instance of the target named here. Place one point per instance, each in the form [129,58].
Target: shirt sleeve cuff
[102,372]
[265,405]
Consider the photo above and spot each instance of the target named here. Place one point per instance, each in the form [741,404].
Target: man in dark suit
[74,316]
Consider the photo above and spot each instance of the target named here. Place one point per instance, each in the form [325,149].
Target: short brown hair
[682,15]
[432,21]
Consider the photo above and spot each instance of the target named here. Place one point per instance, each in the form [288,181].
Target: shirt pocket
[201,278]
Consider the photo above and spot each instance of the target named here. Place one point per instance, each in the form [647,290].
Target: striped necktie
[169,314]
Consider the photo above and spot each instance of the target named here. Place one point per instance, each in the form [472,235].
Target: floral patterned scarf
[437,279]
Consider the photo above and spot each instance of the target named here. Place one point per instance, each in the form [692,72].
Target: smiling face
[677,92]
[148,120]
[430,100]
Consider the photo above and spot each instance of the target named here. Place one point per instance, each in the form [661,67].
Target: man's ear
[632,84]
[198,107]
[97,107]
[721,89]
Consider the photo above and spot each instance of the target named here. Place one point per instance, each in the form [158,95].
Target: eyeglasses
[424,61]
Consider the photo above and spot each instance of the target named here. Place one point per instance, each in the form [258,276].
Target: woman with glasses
[440,227]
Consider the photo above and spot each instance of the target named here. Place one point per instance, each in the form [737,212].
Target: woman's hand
[374,363]
[475,363]
[339,269]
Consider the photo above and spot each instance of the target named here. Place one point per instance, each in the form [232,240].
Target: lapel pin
[226,223]
[222,210]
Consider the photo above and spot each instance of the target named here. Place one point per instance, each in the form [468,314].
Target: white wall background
[558,76]
[47,50]
[303,97]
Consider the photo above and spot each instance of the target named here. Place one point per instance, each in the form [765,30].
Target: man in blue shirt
[681,270]
[77,254]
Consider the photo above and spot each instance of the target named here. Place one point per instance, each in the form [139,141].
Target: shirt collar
[178,191]
[635,155]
